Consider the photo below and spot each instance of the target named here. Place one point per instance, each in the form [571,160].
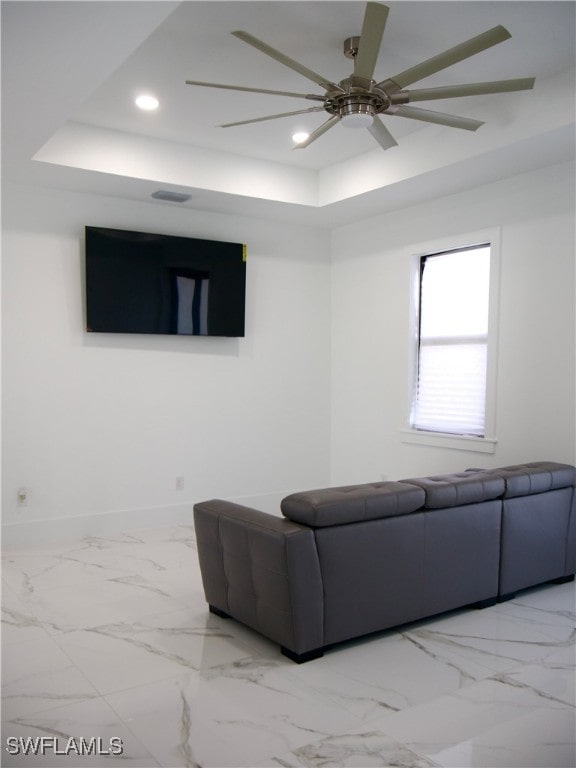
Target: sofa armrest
[263,571]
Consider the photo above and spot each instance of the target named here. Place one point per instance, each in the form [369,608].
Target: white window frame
[486,444]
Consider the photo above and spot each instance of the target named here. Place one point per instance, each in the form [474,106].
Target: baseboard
[35,532]
[48,531]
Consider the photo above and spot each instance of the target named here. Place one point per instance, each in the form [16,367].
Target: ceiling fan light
[357,120]
[357,114]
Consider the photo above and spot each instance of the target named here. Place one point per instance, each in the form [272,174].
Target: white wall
[535,416]
[97,424]
[98,427]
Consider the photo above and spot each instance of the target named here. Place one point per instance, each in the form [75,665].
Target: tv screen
[138,282]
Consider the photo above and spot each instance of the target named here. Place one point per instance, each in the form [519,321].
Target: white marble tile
[111,636]
[87,719]
[555,682]
[38,675]
[46,566]
[81,605]
[232,715]
[29,574]
[564,657]
[259,646]
[123,655]
[18,622]
[363,699]
[492,715]
[497,638]
[556,600]
[49,562]
[370,674]
[181,725]
[537,739]
[165,562]
[143,555]
[360,749]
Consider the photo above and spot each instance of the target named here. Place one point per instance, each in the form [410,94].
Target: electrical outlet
[179,483]
[23,496]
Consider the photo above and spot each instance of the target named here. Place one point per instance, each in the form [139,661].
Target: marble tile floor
[110,639]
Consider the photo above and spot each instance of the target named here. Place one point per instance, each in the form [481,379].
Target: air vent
[172,197]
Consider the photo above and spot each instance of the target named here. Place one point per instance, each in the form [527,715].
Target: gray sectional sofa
[346,562]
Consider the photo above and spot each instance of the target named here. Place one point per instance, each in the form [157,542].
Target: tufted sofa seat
[352,560]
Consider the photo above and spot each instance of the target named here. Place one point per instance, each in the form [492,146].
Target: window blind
[450,395]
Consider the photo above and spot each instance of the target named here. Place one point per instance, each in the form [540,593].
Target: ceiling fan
[359,100]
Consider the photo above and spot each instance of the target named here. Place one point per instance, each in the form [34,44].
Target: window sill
[453,442]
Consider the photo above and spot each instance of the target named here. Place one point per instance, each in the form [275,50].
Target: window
[452,367]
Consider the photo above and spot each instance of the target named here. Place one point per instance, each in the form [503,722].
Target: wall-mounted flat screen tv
[137,282]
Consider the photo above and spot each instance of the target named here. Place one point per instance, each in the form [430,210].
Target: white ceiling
[72,69]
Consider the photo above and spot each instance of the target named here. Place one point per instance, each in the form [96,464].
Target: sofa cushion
[459,488]
[352,503]
[534,477]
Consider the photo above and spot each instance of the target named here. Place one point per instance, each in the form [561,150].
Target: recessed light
[147,101]
[299,137]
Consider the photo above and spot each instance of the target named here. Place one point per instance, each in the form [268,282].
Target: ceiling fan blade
[452,121]
[452,56]
[382,134]
[318,132]
[373,26]
[286,60]
[470,89]
[272,117]
[312,96]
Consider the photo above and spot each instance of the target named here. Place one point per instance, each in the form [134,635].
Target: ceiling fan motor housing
[357,100]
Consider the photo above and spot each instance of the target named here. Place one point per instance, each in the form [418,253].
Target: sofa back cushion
[535,477]
[352,503]
[459,488]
